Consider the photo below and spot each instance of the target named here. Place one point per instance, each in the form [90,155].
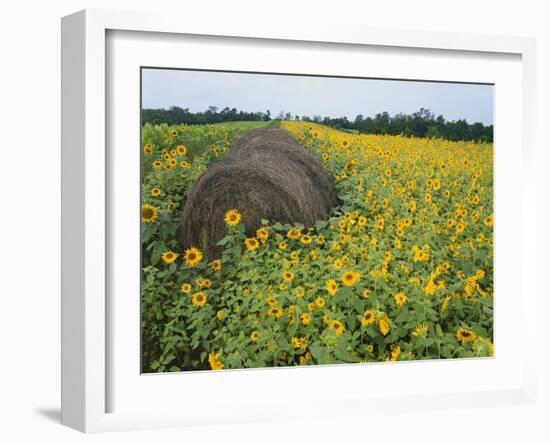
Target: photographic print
[301,220]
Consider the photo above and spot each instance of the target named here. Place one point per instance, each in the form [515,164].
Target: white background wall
[30,214]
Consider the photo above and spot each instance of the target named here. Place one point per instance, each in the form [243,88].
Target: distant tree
[422,123]
[433,132]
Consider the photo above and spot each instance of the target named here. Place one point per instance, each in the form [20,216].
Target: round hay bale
[261,143]
[261,136]
[266,175]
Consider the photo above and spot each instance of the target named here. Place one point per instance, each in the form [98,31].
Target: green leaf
[155,256]
[224,241]
[345,356]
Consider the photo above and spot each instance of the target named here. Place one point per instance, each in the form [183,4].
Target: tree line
[418,124]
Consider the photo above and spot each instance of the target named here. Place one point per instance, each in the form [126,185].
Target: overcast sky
[325,96]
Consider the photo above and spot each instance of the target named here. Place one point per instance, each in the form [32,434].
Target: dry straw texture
[266,175]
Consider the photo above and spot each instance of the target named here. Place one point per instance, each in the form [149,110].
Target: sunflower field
[402,270]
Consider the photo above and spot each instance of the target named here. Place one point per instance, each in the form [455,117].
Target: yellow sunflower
[206,283]
[445,304]
[215,361]
[254,336]
[262,234]
[275,312]
[350,278]
[232,217]
[169,257]
[384,324]
[216,264]
[155,192]
[199,299]
[251,243]
[400,299]
[420,330]
[192,256]
[395,352]
[332,287]
[186,287]
[149,214]
[319,302]
[338,326]
[460,227]
[288,276]
[463,335]
[368,318]
[294,234]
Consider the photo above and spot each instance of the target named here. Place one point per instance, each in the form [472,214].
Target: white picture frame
[86,315]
